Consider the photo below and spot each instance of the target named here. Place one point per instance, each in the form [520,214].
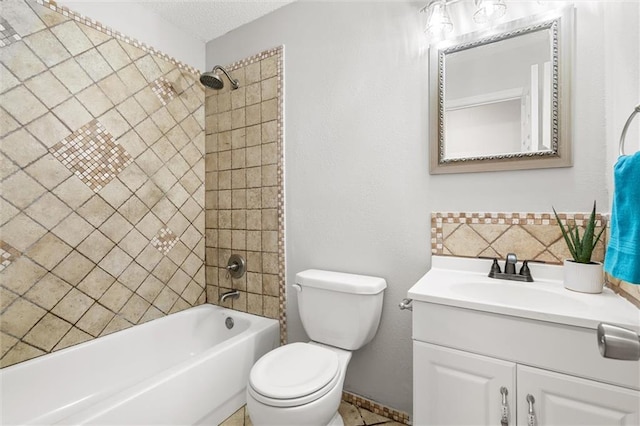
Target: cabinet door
[458,388]
[566,400]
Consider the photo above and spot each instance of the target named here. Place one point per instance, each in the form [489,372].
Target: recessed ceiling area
[209,19]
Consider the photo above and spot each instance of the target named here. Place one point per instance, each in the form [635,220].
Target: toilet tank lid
[340,281]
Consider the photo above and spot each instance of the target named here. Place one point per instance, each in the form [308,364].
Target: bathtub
[186,368]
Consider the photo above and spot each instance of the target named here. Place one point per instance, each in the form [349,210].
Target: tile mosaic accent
[95,168]
[92,154]
[375,408]
[7,34]
[164,90]
[164,241]
[7,255]
[245,196]
[532,236]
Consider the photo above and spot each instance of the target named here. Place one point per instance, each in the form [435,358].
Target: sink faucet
[233,294]
[510,264]
[510,270]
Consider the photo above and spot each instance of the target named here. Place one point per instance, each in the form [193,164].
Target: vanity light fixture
[439,22]
[489,10]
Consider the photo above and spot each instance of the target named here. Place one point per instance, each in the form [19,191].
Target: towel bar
[636,110]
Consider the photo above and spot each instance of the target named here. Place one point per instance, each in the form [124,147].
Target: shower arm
[234,83]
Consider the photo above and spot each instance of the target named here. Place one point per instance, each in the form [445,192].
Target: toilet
[301,383]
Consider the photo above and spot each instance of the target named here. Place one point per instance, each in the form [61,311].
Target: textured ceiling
[208,19]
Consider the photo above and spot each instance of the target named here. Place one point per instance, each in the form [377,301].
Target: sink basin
[505,293]
[463,283]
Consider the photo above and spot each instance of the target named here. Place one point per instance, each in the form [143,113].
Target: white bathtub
[186,368]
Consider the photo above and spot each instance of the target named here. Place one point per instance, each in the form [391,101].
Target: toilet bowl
[298,381]
[301,383]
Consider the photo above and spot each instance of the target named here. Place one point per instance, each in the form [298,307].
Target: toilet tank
[338,309]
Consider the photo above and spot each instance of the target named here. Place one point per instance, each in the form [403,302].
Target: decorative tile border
[536,235]
[52,5]
[376,408]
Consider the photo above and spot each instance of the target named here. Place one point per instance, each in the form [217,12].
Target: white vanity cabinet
[561,399]
[460,388]
[474,336]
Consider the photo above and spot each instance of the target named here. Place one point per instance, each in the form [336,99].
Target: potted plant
[581,273]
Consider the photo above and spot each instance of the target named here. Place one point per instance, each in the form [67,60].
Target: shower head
[214,81]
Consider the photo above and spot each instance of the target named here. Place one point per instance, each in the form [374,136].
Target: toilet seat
[294,374]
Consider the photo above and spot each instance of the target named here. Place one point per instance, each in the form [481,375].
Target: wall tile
[21,61]
[48,129]
[47,48]
[20,16]
[89,181]
[244,178]
[22,105]
[72,114]
[72,76]
[21,232]
[48,89]
[72,37]
[94,65]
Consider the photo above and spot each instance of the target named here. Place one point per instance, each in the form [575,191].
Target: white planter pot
[583,277]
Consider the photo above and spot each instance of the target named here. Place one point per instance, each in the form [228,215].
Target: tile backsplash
[102,195]
[533,236]
[245,195]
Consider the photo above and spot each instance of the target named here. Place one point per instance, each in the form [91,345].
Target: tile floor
[352,416]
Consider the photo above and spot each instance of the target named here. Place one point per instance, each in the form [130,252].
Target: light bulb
[489,10]
[438,20]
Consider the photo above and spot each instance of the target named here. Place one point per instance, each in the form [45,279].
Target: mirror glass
[498,99]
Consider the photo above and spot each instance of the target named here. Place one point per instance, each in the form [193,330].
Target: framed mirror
[502,100]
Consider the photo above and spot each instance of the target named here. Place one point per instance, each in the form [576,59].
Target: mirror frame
[561,24]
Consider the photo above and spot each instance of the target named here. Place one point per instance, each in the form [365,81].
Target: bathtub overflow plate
[229,323]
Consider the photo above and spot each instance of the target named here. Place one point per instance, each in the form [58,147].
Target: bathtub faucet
[233,294]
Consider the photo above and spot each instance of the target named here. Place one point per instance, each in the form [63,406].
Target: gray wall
[358,191]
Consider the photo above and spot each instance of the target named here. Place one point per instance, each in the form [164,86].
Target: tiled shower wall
[102,193]
[533,236]
[244,200]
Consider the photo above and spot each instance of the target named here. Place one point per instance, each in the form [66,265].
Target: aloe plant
[581,248]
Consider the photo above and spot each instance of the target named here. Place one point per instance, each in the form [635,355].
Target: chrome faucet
[233,294]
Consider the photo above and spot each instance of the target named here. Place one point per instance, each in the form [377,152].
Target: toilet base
[336,420]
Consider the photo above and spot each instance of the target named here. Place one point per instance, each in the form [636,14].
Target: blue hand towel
[622,259]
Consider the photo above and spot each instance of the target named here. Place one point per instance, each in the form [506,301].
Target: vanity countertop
[463,282]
